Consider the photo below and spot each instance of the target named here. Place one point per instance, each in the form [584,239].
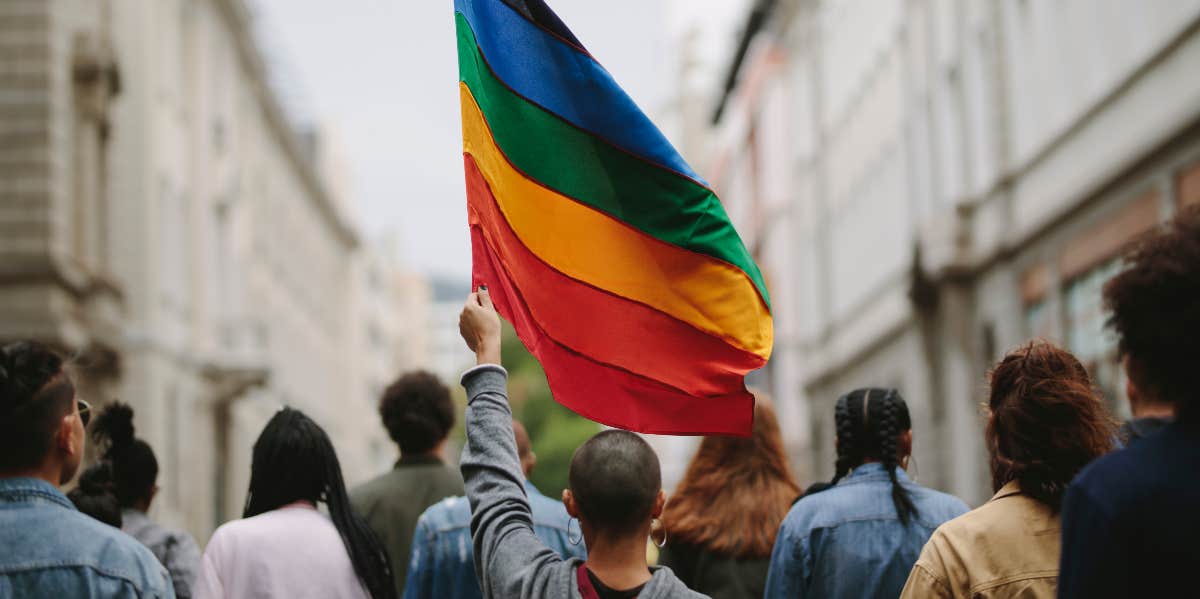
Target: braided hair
[134,467]
[294,460]
[869,422]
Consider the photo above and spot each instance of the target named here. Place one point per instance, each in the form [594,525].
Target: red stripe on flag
[603,393]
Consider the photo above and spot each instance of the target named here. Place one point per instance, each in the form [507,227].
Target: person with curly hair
[1045,423]
[1130,519]
[720,524]
[96,495]
[134,470]
[418,413]
[860,536]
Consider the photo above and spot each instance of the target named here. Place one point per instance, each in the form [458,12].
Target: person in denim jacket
[442,564]
[861,536]
[47,547]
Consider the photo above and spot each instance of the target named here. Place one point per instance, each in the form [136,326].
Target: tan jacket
[1008,547]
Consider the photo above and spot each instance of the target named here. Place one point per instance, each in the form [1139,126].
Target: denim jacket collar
[32,490]
[872,471]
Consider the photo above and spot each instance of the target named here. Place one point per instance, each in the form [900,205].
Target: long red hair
[736,492]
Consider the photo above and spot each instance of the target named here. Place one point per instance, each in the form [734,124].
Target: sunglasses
[85,411]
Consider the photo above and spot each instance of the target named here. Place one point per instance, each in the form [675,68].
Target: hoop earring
[570,539]
[656,523]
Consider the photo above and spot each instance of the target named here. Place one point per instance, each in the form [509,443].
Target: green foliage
[554,430]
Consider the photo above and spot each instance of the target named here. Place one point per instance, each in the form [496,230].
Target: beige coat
[1009,547]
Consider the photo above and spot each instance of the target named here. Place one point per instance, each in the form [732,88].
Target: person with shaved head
[614,492]
[442,563]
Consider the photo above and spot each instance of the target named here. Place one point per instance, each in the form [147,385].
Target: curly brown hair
[736,491]
[1156,314]
[417,411]
[1047,422]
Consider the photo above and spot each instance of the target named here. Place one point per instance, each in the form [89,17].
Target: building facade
[163,222]
[930,183]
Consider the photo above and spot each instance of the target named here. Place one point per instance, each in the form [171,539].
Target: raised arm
[510,560]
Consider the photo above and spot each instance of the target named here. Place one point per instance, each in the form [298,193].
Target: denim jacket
[442,562]
[50,549]
[847,541]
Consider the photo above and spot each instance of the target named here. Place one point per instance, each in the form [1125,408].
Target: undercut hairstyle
[96,494]
[1047,422]
[294,460]
[869,424]
[1155,313]
[615,479]
[417,411]
[736,492]
[35,394]
[134,466]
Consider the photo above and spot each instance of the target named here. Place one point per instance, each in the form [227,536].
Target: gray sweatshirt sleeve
[510,560]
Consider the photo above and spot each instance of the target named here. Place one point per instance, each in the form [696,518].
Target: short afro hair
[1155,312]
[417,411]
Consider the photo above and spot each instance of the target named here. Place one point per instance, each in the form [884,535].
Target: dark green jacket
[392,502]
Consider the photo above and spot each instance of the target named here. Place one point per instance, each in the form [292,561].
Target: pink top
[294,552]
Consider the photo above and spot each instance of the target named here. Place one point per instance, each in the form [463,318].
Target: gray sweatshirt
[510,560]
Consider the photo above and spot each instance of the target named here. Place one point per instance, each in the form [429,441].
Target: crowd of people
[1082,507]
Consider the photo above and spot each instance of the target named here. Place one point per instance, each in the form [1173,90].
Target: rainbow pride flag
[612,259]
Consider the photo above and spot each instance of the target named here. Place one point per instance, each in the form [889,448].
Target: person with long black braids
[134,471]
[862,535]
[284,547]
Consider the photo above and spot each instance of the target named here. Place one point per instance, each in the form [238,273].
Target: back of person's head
[134,467]
[1046,421]
[1155,311]
[417,411]
[35,395]
[524,447]
[96,494]
[615,483]
[294,460]
[870,423]
[736,491]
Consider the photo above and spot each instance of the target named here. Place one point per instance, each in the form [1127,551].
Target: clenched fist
[479,325]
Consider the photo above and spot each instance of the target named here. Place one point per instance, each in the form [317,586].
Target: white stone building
[161,219]
[928,183]
[393,308]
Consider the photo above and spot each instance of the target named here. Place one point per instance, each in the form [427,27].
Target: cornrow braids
[888,430]
[849,454]
[869,424]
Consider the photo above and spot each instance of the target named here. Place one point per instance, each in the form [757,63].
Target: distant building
[929,184]
[162,220]
[449,355]
[393,307]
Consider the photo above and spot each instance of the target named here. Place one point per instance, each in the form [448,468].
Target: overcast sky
[383,75]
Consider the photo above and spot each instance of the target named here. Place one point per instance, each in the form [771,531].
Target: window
[1086,334]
